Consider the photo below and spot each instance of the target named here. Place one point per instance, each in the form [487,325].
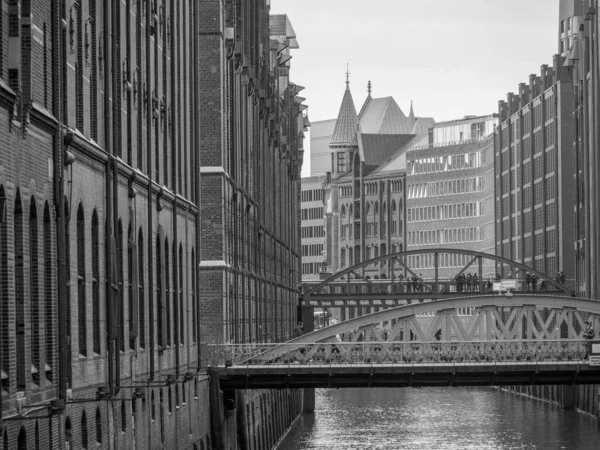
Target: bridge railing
[438,352]
[386,286]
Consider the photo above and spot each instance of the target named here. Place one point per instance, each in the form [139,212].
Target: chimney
[561,73]
[523,94]
[502,111]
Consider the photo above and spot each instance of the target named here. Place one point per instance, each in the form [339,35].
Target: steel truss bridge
[351,287]
[466,341]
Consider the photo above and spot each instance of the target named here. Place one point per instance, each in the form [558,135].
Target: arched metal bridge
[352,287]
[490,339]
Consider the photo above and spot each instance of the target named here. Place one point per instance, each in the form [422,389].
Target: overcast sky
[450,57]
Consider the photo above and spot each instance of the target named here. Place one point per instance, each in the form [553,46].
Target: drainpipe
[108,144]
[116,295]
[196,169]
[174,184]
[58,59]
[149,124]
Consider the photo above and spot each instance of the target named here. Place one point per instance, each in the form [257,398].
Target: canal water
[438,418]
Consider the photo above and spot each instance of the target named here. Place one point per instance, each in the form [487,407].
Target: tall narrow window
[167,293]
[194,306]
[181,299]
[93,61]
[96,281]
[160,268]
[34,290]
[142,298]
[121,286]
[20,293]
[131,256]
[48,294]
[79,67]
[4,299]
[81,297]
[84,432]
[98,426]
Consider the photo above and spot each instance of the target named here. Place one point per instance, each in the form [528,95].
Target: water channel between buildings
[438,418]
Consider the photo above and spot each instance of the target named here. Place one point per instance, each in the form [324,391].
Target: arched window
[167,293]
[81,297]
[343,257]
[96,282]
[393,206]
[22,443]
[356,165]
[98,426]
[376,209]
[123,417]
[48,294]
[343,212]
[84,432]
[68,433]
[141,297]
[357,254]
[34,292]
[368,209]
[130,264]
[20,294]
[37,435]
[153,407]
[400,204]
[120,270]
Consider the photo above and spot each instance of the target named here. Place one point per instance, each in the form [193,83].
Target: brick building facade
[149,175]
[534,173]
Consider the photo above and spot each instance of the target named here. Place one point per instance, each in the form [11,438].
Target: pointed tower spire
[347,77]
[411,114]
[369,88]
[347,119]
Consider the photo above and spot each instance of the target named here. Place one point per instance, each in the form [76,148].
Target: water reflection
[438,418]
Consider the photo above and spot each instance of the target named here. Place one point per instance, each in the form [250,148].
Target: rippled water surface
[438,418]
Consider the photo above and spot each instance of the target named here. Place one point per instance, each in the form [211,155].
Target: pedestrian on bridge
[588,334]
[562,278]
[534,280]
[476,283]
[469,282]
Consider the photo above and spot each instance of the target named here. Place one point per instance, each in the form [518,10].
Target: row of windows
[313,232]
[371,208]
[312,250]
[372,188]
[446,236]
[312,213]
[175,292]
[311,268]
[312,195]
[441,212]
[446,163]
[446,187]
[445,260]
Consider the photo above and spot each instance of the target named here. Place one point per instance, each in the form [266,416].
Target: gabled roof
[422,125]
[347,119]
[383,116]
[397,160]
[280,26]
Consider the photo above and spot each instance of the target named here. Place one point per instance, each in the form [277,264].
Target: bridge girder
[343,275]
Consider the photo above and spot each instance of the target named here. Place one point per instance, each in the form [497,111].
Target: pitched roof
[376,148]
[383,115]
[281,26]
[347,119]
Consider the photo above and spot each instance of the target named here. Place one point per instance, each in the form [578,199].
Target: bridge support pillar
[569,397]
[308,402]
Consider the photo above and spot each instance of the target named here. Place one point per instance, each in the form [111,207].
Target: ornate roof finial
[369,88]
[347,75]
